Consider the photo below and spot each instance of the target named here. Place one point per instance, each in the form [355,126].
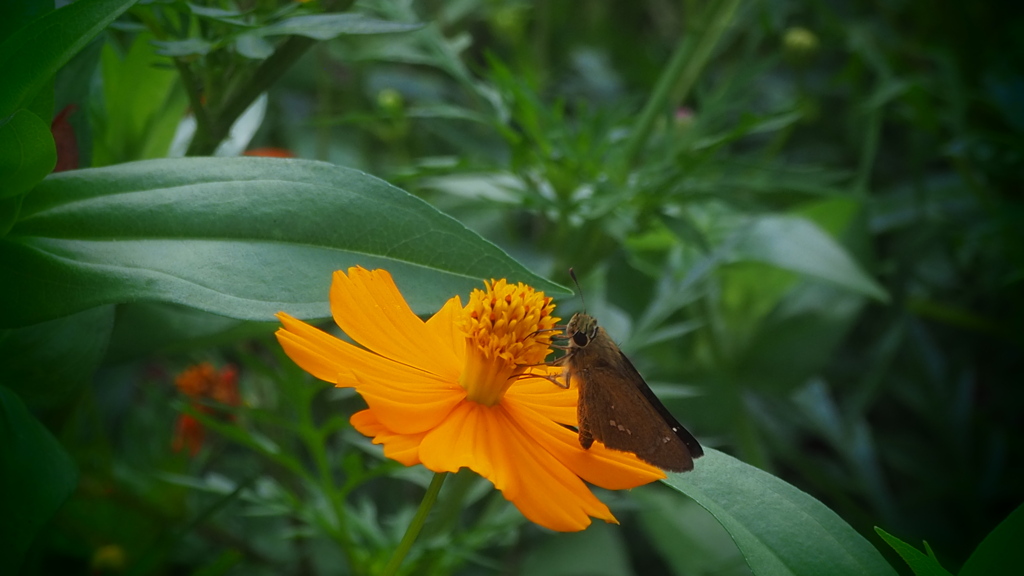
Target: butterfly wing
[617,408]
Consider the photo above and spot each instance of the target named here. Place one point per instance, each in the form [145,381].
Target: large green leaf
[796,244]
[36,476]
[1000,551]
[27,152]
[240,237]
[30,57]
[46,362]
[780,530]
[145,328]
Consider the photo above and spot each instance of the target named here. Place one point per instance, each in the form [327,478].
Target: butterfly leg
[586,438]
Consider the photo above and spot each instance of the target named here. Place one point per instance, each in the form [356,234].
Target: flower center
[507,330]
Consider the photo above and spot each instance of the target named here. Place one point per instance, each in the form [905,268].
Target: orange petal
[444,328]
[316,351]
[487,440]
[334,360]
[404,448]
[369,308]
[599,465]
[545,397]
[406,400]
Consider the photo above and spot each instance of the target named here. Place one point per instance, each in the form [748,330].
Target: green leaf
[796,244]
[922,564]
[240,237]
[779,529]
[186,47]
[688,537]
[14,15]
[143,329]
[1000,551]
[30,57]
[327,26]
[27,152]
[45,363]
[798,337]
[253,46]
[234,17]
[36,476]
[10,209]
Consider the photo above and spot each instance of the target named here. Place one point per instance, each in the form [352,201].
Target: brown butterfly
[616,406]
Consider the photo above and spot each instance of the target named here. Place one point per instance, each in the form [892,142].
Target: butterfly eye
[580,339]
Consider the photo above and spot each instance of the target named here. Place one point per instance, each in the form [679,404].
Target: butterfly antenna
[572,273]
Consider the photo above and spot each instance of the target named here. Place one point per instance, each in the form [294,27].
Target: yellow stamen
[506,332]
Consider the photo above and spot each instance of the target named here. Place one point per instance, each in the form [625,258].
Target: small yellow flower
[457,391]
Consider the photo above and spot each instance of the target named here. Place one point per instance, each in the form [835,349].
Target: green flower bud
[390,101]
[799,45]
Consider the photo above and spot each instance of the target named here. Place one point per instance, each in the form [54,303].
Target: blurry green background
[814,254]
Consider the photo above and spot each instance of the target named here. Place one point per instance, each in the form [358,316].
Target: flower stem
[416,525]
[680,75]
[206,140]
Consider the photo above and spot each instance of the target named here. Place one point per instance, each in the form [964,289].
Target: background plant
[802,222]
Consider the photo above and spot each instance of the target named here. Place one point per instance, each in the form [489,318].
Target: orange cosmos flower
[456,391]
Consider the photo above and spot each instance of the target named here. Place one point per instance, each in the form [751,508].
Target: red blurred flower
[203,382]
[188,433]
[270,152]
[64,140]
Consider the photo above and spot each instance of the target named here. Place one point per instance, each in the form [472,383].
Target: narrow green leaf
[327,26]
[922,564]
[796,244]
[780,529]
[240,237]
[140,105]
[27,152]
[253,46]
[233,17]
[186,47]
[36,476]
[1000,551]
[30,57]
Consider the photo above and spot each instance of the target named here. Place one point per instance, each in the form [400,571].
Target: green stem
[205,142]
[324,105]
[868,152]
[416,525]
[315,445]
[683,69]
[195,98]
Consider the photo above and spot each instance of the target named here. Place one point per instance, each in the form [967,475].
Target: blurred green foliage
[802,221]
